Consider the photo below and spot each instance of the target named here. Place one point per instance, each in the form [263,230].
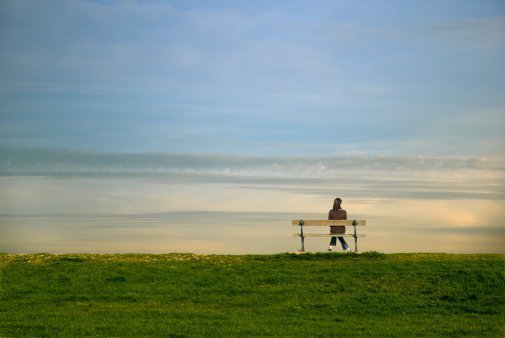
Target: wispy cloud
[468,33]
[53,161]
[392,177]
[251,78]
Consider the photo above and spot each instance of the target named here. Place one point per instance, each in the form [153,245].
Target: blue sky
[268,78]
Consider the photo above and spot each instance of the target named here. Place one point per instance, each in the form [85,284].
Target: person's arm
[329,215]
[345,214]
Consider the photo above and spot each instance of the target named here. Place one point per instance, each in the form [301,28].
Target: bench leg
[302,237]
[354,223]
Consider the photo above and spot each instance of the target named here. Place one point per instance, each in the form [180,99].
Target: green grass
[178,295]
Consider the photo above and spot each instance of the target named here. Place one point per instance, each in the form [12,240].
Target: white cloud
[392,177]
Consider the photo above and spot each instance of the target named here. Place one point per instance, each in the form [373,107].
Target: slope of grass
[178,295]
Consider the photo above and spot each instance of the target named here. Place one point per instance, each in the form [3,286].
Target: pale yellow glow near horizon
[393,224]
[98,196]
[461,213]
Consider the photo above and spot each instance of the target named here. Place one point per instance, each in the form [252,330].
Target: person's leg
[333,242]
[344,244]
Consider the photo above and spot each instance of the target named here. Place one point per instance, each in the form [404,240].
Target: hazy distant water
[228,233]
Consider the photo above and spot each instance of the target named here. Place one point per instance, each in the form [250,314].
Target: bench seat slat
[342,222]
[329,235]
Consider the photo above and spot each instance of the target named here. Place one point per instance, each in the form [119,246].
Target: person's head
[337,203]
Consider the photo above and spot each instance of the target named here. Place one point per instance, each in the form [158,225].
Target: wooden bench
[354,223]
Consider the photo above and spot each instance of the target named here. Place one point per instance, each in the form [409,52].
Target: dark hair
[338,201]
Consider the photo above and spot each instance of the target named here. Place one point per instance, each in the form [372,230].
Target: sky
[155,107]
[265,77]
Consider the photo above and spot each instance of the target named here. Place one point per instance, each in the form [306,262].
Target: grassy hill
[178,295]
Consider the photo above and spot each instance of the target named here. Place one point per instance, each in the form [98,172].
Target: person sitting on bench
[337,213]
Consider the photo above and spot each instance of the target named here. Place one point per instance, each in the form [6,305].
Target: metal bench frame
[353,223]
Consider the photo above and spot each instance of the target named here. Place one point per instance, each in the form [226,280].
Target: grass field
[178,295]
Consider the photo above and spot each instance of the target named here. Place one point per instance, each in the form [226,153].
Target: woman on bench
[337,213]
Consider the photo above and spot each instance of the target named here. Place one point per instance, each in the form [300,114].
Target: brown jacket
[337,214]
